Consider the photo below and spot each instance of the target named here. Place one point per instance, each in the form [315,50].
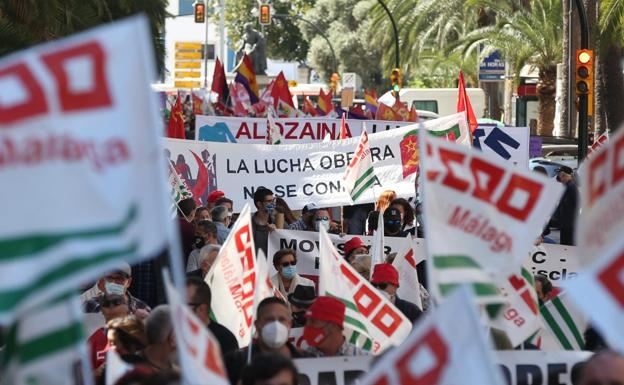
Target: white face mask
[274,334]
[319,224]
[114,288]
[388,295]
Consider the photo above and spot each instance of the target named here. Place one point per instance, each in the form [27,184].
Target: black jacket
[568,206]
[409,310]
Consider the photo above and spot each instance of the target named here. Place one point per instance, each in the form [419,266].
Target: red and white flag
[405,262]
[232,279]
[198,350]
[447,347]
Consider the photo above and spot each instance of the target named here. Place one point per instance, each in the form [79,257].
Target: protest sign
[601,185]
[405,262]
[292,130]
[441,350]
[309,172]
[557,262]
[232,279]
[482,216]
[198,350]
[368,313]
[80,130]
[508,143]
[518,367]
[306,245]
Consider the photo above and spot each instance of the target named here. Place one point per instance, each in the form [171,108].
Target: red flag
[413,115]
[175,129]
[401,109]
[280,91]
[385,112]
[324,105]
[343,127]
[219,82]
[463,103]
[197,104]
[308,107]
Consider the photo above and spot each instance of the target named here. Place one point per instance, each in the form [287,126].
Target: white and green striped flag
[360,174]
[371,320]
[46,346]
[178,190]
[88,160]
[564,324]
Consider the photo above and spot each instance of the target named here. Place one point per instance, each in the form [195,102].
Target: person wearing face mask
[221,218]
[306,220]
[205,259]
[112,306]
[386,279]
[300,300]
[272,326]
[323,219]
[116,282]
[353,248]
[160,353]
[199,299]
[287,279]
[205,234]
[393,223]
[263,220]
[323,330]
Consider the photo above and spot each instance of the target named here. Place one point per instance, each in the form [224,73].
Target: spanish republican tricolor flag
[246,76]
[370,97]
[324,105]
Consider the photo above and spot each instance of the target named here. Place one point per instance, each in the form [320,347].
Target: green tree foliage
[24,23]
[348,27]
[284,40]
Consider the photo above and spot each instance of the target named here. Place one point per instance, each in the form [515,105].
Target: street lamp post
[396,34]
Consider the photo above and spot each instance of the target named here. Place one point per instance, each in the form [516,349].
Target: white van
[442,101]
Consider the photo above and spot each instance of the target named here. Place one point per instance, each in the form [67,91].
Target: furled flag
[600,223]
[344,130]
[519,317]
[274,136]
[115,367]
[175,128]
[281,92]
[179,190]
[463,103]
[324,105]
[377,251]
[405,262]
[447,347]
[46,345]
[385,112]
[368,313]
[308,107]
[232,279]
[564,323]
[370,99]
[246,76]
[91,152]
[359,175]
[482,216]
[198,350]
[219,83]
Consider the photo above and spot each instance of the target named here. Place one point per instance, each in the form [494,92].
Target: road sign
[491,77]
[188,46]
[491,67]
[188,55]
[349,80]
[187,74]
[186,84]
[187,65]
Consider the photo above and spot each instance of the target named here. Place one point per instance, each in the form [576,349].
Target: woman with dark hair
[407,215]
[282,207]
[270,368]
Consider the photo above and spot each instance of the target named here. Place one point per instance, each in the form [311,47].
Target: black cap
[392,214]
[303,296]
[565,169]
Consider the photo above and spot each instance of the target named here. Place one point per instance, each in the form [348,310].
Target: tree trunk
[591,10]
[599,118]
[546,90]
[614,87]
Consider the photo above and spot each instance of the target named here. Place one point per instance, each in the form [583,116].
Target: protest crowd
[423,269]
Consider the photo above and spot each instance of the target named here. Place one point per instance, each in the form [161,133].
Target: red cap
[327,309]
[353,244]
[215,195]
[385,273]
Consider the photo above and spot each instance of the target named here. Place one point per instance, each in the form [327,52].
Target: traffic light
[584,72]
[265,14]
[395,79]
[333,82]
[200,11]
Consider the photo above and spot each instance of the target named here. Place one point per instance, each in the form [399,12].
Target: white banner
[519,368]
[79,131]
[481,211]
[232,279]
[306,245]
[508,143]
[293,130]
[557,262]
[309,172]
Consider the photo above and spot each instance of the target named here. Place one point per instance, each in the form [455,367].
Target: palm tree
[24,23]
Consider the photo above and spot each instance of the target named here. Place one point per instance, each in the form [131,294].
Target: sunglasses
[381,286]
[113,302]
[286,264]
[394,222]
[321,219]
